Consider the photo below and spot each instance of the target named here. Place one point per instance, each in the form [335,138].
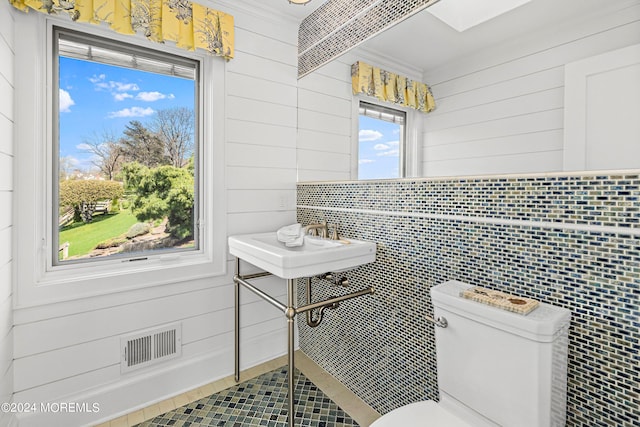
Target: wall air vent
[149,347]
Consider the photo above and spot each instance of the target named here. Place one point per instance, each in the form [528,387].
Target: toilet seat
[420,414]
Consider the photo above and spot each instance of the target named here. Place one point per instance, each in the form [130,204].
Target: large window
[381,142]
[126,150]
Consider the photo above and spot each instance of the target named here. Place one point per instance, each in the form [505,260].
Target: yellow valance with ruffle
[190,25]
[386,86]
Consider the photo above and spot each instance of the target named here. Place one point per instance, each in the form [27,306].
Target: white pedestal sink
[316,256]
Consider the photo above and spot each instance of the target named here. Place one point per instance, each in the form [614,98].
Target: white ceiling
[424,43]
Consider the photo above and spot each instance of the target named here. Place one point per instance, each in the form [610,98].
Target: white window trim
[37,281]
[412,149]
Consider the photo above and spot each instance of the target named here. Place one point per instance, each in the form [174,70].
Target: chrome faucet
[319,229]
[324,230]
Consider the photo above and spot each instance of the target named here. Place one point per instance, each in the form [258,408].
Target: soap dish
[501,300]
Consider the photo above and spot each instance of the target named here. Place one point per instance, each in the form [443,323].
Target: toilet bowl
[427,413]
[495,367]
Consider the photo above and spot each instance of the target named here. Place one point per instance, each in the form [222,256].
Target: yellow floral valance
[390,87]
[190,25]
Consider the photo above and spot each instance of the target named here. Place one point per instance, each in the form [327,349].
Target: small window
[381,142]
[125,150]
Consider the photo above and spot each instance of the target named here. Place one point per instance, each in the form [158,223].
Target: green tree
[165,191]
[83,195]
[141,145]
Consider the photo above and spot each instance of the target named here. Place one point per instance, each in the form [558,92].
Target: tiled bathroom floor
[259,400]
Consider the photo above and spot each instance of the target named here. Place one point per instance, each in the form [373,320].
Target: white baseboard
[146,388]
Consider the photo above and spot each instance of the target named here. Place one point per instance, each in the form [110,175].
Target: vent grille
[147,348]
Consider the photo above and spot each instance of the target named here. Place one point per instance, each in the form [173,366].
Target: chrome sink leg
[291,314]
[236,322]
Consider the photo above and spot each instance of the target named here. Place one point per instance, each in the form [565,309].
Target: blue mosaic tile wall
[572,241]
[339,25]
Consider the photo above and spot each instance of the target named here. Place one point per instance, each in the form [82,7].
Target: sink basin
[316,256]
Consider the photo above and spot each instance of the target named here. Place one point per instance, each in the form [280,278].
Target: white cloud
[97,79]
[390,153]
[379,147]
[132,112]
[65,101]
[152,96]
[122,96]
[369,135]
[365,161]
[394,143]
[123,87]
[100,82]
[83,146]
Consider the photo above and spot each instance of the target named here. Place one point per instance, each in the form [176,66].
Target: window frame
[410,149]
[38,280]
[128,48]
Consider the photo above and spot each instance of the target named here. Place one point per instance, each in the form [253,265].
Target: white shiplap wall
[6,207]
[69,351]
[501,110]
[325,122]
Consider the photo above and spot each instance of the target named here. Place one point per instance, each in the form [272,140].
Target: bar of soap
[514,303]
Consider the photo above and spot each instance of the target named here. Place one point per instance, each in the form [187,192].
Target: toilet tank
[498,367]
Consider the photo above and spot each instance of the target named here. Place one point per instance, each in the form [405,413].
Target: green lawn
[83,238]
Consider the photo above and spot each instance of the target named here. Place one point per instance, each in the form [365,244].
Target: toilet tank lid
[541,324]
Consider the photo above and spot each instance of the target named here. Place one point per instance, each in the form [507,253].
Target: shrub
[138,229]
[165,191]
[111,243]
[83,195]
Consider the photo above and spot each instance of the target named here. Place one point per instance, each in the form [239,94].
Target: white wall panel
[260,156]
[259,222]
[239,201]
[261,112]
[323,161]
[245,132]
[321,102]
[504,108]
[503,164]
[6,135]
[256,44]
[6,172]
[5,281]
[6,212]
[322,141]
[7,100]
[325,122]
[250,65]
[260,88]
[307,175]
[511,144]
[252,178]
[525,123]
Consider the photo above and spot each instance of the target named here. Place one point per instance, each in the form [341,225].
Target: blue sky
[97,98]
[379,149]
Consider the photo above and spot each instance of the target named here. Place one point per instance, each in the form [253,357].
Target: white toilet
[495,367]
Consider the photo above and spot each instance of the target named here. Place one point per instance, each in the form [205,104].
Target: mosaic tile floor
[261,401]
